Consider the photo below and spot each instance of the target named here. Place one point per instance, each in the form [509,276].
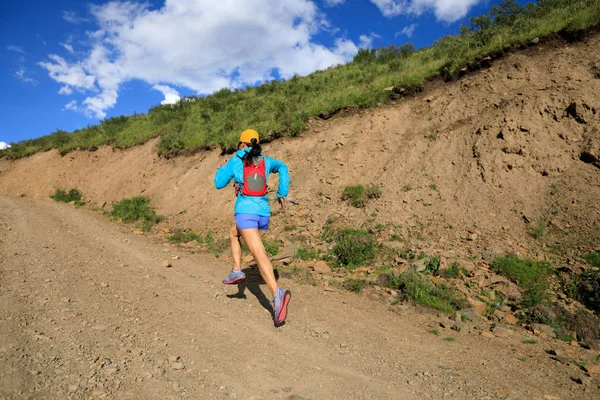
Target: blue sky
[68,64]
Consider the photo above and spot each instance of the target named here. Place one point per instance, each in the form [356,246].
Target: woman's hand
[282,203]
[223,163]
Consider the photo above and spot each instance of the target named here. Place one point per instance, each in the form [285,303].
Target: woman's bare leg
[253,241]
[236,247]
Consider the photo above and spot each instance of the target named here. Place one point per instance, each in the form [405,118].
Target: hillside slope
[486,158]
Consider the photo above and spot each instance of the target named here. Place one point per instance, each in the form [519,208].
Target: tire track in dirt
[88,313]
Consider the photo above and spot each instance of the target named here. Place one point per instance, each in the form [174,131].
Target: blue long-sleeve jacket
[258,205]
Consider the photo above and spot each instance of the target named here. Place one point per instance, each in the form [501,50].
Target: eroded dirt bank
[492,154]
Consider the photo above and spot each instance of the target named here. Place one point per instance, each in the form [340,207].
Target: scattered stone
[592,369]
[487,334]
[499,315]
[543,330]
[175,258]
[109,370]
[581,380]
[457,326]
[593,344]
[319,331]
[420,265]
[286,389]
[480,306]
[457,317]
[166,264]
[177,366]
[321,267]
[502,331]
[535,40]
[510,319]
[73,388]
[287,252]
[472,314]
[104,285]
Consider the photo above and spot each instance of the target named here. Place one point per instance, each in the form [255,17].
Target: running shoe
[280,303]
[236,276]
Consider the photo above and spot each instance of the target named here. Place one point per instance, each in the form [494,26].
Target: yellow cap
[248,135]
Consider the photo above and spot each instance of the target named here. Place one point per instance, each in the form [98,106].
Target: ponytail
[254,153]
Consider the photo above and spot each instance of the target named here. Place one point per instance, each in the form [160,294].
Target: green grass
[593,258]
[64,197]
[184,237]
[539,229]
[531,276]
[434,332]
[283,108]
[358,195]
[302,253]
[354,285]
[271,246]
[450,339]
[423,291]
[585,287]
[136,209]
[453,271]
[353,248]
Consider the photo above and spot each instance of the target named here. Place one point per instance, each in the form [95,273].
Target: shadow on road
[253,282]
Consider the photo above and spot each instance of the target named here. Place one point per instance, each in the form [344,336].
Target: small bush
[453,271]
[353,248]
[373,192]
[136,209]
[593,258]
[302,253]
[422,290]
[538,231]
[531,276]
[184,237]
[358,195]
[355,195]
[585,287]
[407,188]
[62,195]
[354,285]
[271,247]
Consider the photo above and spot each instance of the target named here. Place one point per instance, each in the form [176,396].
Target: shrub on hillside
[353,248]
[358,195]
[585,288]
[531,276]
[184,237]
[62,196]
[136,209]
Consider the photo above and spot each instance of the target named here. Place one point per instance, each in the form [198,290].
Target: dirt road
[88,312]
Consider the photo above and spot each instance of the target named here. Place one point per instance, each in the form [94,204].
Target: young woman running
[250,171]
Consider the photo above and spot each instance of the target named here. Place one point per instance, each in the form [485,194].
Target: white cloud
[444,10]
[201,45]
[16,49]
[333,3]
[171,95]
[66,90]
[366,41]
[407,30]
[21,74]
[72,17]
[72,105]
[4,145]
[68,47]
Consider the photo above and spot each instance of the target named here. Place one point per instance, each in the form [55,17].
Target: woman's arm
[225,174]
[280,168]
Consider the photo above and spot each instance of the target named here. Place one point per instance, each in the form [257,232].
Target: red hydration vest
[255,179]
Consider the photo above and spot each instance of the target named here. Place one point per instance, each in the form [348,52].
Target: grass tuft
[64,197]
[531,276]
[136,209]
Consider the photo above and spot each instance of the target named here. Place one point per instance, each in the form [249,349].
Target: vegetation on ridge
[284,107]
